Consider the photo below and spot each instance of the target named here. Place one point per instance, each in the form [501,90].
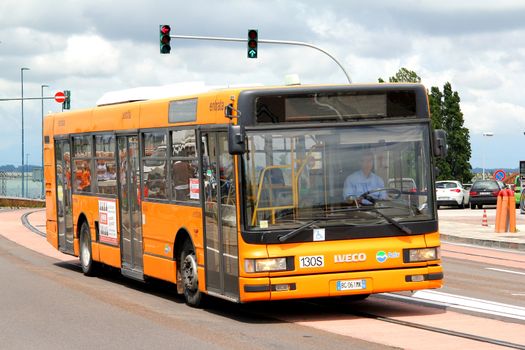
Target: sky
[92,47]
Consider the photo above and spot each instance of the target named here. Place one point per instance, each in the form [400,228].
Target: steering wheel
[393,192]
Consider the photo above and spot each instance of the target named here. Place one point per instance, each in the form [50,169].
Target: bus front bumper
[340,284]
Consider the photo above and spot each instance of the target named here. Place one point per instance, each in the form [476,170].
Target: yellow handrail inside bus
[271,186]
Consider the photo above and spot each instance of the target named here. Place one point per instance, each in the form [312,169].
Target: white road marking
[502,270]
[466,303]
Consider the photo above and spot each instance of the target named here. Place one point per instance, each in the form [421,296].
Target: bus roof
[193,88]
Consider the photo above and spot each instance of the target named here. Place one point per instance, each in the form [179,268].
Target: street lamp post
[27,178]
[23,167]
[42,136]
[488,134]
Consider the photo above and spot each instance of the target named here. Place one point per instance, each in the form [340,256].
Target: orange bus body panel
[161,268]
[321,281]
[109,255]
[161,222]
[117,117]
[50,185]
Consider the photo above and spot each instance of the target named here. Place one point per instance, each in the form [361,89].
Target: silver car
[452,193]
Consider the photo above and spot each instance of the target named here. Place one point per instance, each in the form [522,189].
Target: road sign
[60,97]
[500,175]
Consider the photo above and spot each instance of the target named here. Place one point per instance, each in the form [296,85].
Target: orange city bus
[239,193]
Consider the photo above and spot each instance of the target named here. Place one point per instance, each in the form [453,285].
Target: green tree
[458,137]
[403,75]
[435,101]
[445,113]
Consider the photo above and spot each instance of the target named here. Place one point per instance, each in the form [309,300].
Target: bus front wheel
[85,256]
[189,275]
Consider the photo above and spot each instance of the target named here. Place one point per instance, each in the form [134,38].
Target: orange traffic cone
[484,221]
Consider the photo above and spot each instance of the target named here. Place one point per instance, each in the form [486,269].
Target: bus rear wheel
[189,275]
[85,256]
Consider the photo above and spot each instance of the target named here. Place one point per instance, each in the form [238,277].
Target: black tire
[189,275]
[480,206]
[461,205]
[85,256]
[472,206]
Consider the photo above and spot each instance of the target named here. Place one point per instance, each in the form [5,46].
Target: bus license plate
[351,285]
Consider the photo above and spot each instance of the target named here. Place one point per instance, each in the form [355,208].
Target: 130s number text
[311,261]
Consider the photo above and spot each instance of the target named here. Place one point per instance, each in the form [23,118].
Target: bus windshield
[295,176]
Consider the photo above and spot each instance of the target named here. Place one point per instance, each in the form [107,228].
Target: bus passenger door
[63,190]
[220,217]
[130,210]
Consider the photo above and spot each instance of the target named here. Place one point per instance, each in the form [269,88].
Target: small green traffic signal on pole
[165,38]
[67,102]
[252,43]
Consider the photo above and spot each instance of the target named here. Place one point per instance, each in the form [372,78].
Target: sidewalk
[14,230]
[485,236]
[452,230]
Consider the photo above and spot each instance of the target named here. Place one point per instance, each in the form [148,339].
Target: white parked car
[451,192]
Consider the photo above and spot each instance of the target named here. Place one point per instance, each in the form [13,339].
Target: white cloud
[83,55]
[93,47]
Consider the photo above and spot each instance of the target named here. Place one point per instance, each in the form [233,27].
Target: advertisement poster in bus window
[107,226]
[194,188]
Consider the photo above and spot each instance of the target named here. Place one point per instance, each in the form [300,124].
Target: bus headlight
[265,265]
[422,254]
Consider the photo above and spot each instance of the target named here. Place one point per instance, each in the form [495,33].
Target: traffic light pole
[278,42]
[27,98]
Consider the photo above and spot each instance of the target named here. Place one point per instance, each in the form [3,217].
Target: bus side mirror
[440,143]
[236,137]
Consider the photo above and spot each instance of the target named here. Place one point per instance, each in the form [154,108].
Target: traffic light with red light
[165,38]
[252,43]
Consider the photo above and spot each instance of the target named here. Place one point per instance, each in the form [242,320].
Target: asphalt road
[45,304]
[482,273]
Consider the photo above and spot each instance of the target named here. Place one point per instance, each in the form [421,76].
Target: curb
[484,242]
[28,225]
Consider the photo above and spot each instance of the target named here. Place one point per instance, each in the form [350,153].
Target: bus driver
[364,180]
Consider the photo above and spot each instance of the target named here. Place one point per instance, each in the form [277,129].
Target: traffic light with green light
[165,38]
[252,43]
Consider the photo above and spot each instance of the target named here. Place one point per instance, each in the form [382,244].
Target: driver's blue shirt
[357,183]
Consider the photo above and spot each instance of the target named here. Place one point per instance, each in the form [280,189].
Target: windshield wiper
[298,230]
[301,228]
[311,223]
[396,223]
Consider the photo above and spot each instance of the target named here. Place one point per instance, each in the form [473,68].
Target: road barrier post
[512,211]
[501,211]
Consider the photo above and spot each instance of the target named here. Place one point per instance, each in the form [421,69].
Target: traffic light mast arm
[279,42]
